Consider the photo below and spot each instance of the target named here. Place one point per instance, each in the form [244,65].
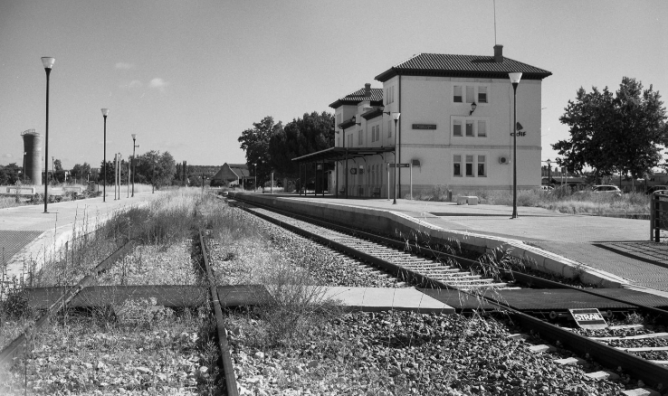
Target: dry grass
[561,200]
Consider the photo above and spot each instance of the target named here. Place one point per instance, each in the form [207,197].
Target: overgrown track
[16,347]
[223,345]
[436,275]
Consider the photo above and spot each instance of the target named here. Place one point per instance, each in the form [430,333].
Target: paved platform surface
[580,238]
[368,299]
[27,234]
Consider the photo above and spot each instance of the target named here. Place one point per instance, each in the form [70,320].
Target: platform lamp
[48,62]
[515,81]
[105,113]
[133,167]
[395,117]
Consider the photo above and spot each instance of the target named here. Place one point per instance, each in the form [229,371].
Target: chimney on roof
[498,53]
[367,90]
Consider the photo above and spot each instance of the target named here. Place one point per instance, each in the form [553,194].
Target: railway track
[443,271]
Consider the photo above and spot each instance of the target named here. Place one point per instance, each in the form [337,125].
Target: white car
[546,188]
[607,189]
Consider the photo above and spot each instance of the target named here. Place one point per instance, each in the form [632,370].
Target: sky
[189,76]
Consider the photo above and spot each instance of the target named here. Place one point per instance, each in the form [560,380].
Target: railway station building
[447,118]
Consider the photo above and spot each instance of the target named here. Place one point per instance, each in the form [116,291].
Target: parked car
[546,188]
[656,188]
[607,189]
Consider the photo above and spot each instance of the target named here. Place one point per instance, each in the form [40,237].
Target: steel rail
[16,346]
[223,344]
[650,373]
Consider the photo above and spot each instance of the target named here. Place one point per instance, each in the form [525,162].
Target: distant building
[455,126]
[233,175]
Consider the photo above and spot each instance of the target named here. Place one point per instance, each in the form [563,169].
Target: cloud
[132,84]
[124,65]
[159,84]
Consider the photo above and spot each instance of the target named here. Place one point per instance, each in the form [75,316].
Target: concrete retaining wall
[404,226]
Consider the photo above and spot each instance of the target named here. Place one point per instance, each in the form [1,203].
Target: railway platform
[27,234]
[616,250]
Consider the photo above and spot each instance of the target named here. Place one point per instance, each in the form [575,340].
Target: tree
[80,173]
[58,171]
[609,133]
[255,142]
[312,133]
[9,174]
[155,168]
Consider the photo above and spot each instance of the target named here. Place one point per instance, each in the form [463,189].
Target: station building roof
[448,65]
[333,154]
[354,98]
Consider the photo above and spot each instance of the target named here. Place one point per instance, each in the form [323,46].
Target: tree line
[270,146]
[622,132]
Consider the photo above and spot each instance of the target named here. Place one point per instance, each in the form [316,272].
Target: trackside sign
[588,318]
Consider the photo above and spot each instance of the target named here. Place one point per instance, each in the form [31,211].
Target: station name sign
[399,165]
[424,126]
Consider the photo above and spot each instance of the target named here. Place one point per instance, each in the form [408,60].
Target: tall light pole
[48,65]
[105,113]
[133,167]
[395,117]
[255,178]
[515,80]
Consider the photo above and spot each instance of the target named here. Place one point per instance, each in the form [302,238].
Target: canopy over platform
[334,154]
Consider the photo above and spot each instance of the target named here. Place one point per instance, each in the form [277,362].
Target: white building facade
[455,128]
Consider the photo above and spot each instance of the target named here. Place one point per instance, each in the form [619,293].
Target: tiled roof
[462,66]
[358,96]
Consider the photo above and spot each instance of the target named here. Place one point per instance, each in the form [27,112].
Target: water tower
[32,156]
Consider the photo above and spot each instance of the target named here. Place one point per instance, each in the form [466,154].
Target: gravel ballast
[255,258]
[400,353]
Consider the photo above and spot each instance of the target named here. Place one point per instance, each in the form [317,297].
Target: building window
[469,128]
[389,129]
[338,142]
[482,94]
[360,138]
[469,94]
[457,128]
[482,169]
[473,127]
[457,165]
[457,96]
[482,128]
[469,165]
[338,118]
[474,93]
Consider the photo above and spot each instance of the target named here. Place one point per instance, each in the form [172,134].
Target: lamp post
[395,117]
[105,113]
[48,65]
[132,166]
[345,171]
[515,81]
[255,177]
